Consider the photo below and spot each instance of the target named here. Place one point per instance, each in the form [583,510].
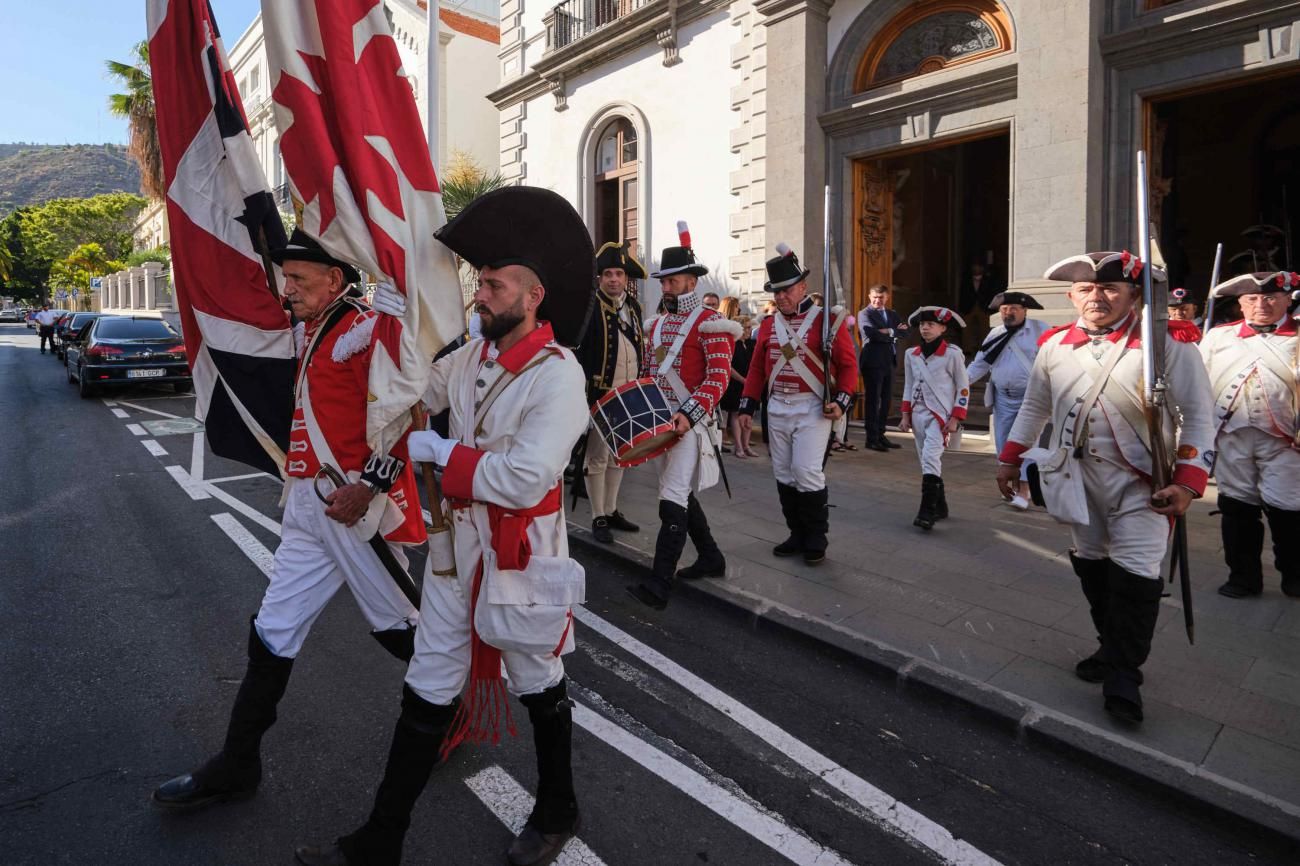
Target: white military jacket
[1255,377]
[1067,366]
[937,383]
[1010,372]
[516,418]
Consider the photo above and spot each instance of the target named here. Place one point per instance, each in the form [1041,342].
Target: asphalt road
[130,561]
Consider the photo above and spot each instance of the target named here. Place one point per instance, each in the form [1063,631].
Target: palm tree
[464,181]
[137,106]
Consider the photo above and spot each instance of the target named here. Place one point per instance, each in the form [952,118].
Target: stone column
[151,277]
[1058,139]
[795,163]
[136,277]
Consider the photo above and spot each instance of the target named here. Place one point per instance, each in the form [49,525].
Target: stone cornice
[995,82]
[779,10]
[1180,34]
[640,27]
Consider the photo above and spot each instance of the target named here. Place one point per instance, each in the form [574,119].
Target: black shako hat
[1026,301]
[536,228]
[784,270]
[1257,283]
[1104,267]
[614,255]
[680,260]
[302,247]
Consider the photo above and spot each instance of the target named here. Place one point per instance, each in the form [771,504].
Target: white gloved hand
[389,300]
[299,337]
[427,446]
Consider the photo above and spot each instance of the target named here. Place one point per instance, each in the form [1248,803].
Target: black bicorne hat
[942,315]
[613,255]
[302,247]
[1104,267]
[1024,300]
[1257,283]
[784,270]
[536,228]
[680,259]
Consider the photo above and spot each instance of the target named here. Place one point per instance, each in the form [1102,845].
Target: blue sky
[53,87]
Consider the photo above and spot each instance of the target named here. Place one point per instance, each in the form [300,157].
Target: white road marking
[120,413]
[109,403]
[892,815]
[135,429]
[240,478]
[195,489]
[153,448]
[247,542]
[196,457]
[247,510]
[146,409]
[508,800]
[763,826]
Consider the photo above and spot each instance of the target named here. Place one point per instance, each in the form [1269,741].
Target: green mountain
[36,173]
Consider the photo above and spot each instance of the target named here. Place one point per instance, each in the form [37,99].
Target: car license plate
[144,374]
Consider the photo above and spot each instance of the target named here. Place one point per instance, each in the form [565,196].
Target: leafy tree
[39,238]
[162,255]
[137,106]
[464,181]
[6,263]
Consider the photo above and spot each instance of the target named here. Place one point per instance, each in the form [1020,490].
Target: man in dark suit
[880,328]
[981,285]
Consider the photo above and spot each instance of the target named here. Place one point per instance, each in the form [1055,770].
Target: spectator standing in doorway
[879,328]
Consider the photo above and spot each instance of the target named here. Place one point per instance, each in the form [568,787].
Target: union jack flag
[223,222]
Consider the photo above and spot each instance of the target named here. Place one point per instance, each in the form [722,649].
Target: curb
[1025,719]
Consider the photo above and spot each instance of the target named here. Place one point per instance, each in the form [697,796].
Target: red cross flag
[223,222]
[355,152]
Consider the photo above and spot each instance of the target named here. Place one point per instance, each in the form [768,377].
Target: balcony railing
[573,20]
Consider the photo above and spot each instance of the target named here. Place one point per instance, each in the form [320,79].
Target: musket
[1155,387]
[1214,282]
[826,297]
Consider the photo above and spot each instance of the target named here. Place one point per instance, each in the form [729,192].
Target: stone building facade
[948,131]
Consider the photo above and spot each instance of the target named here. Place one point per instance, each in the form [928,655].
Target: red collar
[943,347]
[1285,328]
[1075,336]
[517,356]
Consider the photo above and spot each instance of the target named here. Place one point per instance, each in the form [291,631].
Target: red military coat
[768,349]
[334,385]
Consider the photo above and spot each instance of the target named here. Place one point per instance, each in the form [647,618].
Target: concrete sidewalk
[987,608]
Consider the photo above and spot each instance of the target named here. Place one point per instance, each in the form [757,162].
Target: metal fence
[575,19]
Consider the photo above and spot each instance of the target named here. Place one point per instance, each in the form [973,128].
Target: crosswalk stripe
[508,800]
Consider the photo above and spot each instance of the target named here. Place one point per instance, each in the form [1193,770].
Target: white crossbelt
[790,344]
[665,364]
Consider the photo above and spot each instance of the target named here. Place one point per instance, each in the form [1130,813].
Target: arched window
[617,184]
[933,35]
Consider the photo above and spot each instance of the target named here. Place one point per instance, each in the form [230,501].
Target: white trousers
[316,556]
[928,433]
[1122,527]
[604,476]
[677,468]
[1259,469]
[440,667]
[797,436]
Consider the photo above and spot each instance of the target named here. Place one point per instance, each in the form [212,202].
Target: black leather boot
[235,772]
[1132,608]
[925,515]
[1284,526]
[414,752]
[1243,542]
[709,561]
[815,514]
[1095,581]
[789,497]
[554,819]
[668,550]
[940,501]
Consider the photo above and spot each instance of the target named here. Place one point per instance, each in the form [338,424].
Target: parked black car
[71,330]
[128,350]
